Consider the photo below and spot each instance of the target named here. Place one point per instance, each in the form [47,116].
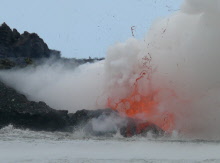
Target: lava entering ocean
[144,108]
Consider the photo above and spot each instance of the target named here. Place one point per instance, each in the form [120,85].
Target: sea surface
[25,146]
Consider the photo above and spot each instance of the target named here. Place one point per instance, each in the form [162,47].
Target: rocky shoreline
[16,110]
[20,50]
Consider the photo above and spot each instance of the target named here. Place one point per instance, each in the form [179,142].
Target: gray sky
[83,28]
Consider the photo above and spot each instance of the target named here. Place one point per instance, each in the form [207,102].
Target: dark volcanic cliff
[28,45]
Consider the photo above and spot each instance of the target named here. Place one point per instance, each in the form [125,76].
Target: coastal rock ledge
[17,110]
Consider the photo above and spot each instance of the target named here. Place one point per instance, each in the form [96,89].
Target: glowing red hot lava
[143,108]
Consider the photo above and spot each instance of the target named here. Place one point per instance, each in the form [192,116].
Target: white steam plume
[60,86]
[185,53]
[185,59]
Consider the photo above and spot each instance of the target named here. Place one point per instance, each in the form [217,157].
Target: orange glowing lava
[143,107]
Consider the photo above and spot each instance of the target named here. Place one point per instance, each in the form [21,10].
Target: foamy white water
[36,147]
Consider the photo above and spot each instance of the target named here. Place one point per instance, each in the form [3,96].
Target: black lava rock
[17,110]
[26,45]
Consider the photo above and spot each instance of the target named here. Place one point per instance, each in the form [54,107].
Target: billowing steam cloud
[60,86]
[180,52]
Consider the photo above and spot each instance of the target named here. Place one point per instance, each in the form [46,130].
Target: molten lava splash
[144,108]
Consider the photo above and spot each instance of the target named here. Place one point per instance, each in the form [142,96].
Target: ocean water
[24,146]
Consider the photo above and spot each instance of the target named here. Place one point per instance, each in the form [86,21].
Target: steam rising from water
[185,59]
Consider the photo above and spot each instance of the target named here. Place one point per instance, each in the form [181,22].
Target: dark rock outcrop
[26,45]
[15,109]
[21,50]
